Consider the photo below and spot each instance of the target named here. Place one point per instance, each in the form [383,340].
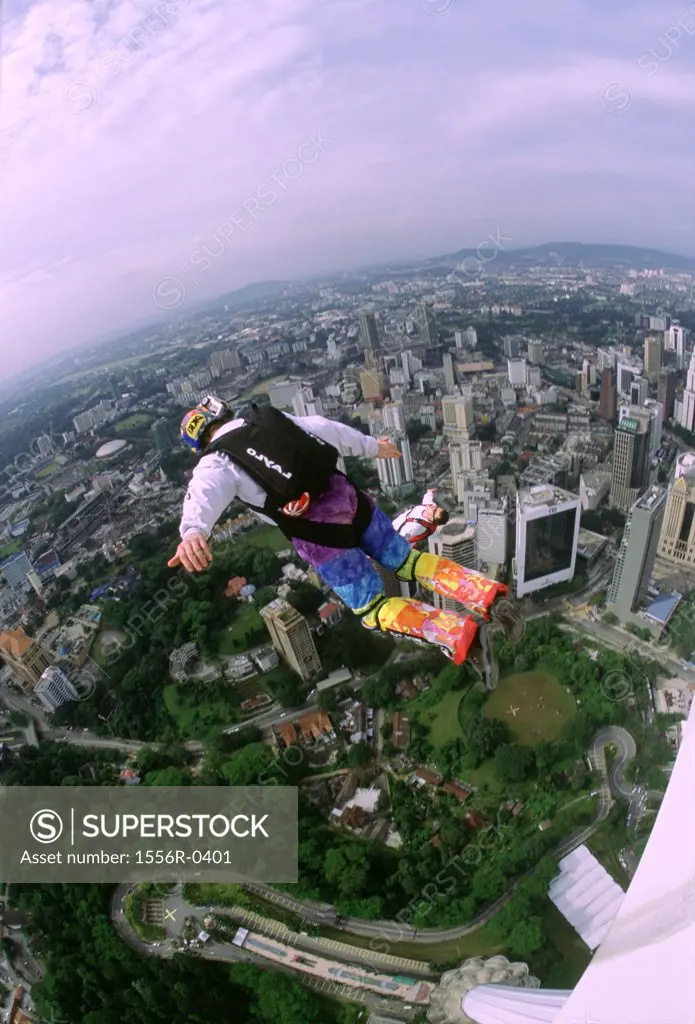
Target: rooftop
[111,448]
[15,642]
[544,494]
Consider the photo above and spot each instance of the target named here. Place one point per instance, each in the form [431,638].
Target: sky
[154,154]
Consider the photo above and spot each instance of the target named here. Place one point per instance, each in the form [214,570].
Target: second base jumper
[285,468]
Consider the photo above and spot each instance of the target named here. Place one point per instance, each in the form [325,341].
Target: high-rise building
[15,571]
[396,475]
[305,403]
[677,538]
[666,391]
[674,341]
[369,332]
[606,359]
[449,373]
[625,375]
[471,337]
[639,391]
[427,323]
[393,417]
[163,436]
[687,417]
[457,412]
[291,637]
[547,533]
[373,384]
[491,534]
[637,553]
[27,658]
[224,361]
[535,353]
[631,460]
[54,689]
[516,372]
[465,457]
[606,408]
[456,541]
[512,349]
[653,344]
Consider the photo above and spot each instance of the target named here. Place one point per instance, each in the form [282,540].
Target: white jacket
[409,530]
[217,481]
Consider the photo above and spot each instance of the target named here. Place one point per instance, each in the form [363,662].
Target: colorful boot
[403,617]
[451,580]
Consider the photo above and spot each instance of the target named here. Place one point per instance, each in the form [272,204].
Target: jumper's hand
[193,554]
[387,449]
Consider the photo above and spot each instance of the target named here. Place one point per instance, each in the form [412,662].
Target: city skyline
[131,139]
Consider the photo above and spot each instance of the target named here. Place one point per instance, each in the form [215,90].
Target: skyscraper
[631,460]
[674,341]
[15,571]
[465,456]
[305,403]
[369,332]
[606,408]
[491,534]
[637,553]
[393,417]
[547,533]
[224,361]
[163,436]
[677,539]
[666,391]
[687,419]
[457,412]
[427,323]
[291,637]
[512,349]
[54,689]
[516,372]
[449,374]
[639,390]
[535,353]
[653,344]
[396,475]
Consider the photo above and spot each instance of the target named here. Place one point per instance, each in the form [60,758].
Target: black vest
[287,462]
[279,456]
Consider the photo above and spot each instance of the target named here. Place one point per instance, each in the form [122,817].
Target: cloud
[131,130]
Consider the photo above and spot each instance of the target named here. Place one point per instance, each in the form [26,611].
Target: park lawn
[136,421]
[267,537]
[449,951]
[542,706]
[443,719]
[10,549]
[247,618]
[53,467]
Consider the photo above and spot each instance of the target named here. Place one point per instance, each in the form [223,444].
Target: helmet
[195,423]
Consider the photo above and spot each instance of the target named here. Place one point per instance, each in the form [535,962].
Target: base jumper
[285,468]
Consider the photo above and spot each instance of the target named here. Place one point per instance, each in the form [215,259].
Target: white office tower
[54,689]
[457,412]
[674,341]
[516,372]
[639,390]
[642,971]
[393,417]
[305,404]
[606,360]
[467,338]
[625,375]
[685,465]
[396,475]
[687,406]
[636,555]
[406,363]
[465,457]
[449,374]
[456,541]
[547,532]
[491,535]
[533,376]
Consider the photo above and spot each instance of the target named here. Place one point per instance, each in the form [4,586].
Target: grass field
[49,470]
[478,943]
[267,537]
[10,549]
[247,618]
[138,421]
[443,719]
[533,704]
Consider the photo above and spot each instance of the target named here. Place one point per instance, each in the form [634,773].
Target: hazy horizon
[154,153]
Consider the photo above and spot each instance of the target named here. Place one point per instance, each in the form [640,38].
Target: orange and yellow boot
[479,595]
[405,618]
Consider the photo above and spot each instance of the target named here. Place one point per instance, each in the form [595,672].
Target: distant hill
[575,254]
[249,293]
